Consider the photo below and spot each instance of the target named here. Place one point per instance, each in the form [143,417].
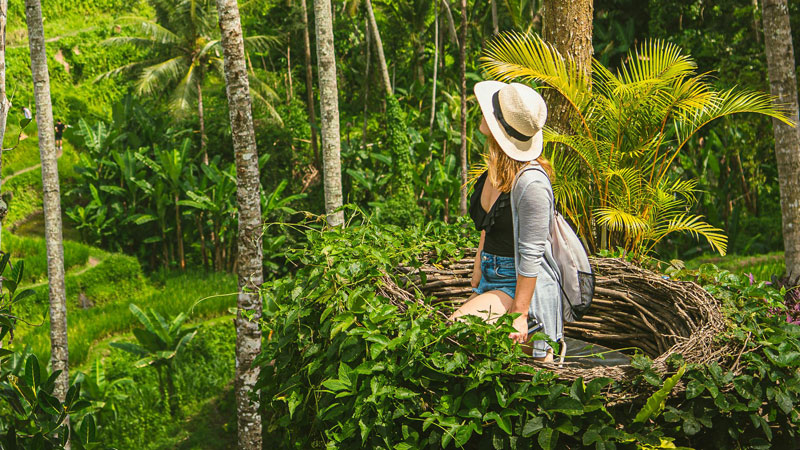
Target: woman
[512,206]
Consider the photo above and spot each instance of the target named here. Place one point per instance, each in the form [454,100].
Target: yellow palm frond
[696,226]
[618,220]
[656,60]
[514,55]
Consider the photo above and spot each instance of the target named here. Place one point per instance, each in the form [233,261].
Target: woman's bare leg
[490,306]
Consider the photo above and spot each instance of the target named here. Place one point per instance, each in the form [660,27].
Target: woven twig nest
[633,308]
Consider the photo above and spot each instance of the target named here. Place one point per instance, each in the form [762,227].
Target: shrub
[351,370]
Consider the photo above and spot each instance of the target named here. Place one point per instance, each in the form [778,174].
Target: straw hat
[515,114]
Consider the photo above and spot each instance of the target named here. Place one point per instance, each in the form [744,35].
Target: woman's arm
[476,268]
[522,302]
[533,204]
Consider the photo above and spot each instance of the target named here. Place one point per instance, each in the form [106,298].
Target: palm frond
[263,96]
[694,225]
[514,55]
[186,91]
[260,43]
[656,60]
[158,76]
[151,29]
[133,67]
[723,104]
[618,220]
[135,41]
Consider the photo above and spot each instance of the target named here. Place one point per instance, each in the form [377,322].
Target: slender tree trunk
[289,94]
[203,252]
[435,60]
[451,25]
[59,358]
[173,394]
[5,105]
[161,389]
[329,110]
[567,26]
[368,51]
[783,85]
[379,48]
[248,197]
[200,116]
[179,235]
[312,115]
[495,27]
[164,249]
[462,50]
[217,246]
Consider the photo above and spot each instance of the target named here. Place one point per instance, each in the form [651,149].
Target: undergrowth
[345,368]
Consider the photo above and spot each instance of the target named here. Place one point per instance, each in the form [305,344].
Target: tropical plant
[159,342]
[184,49]
[103,393]
[615,179]
[38,418]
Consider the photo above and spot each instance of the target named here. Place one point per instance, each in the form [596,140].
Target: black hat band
[498,114]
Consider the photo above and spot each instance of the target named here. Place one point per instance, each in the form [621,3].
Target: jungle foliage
[351,370]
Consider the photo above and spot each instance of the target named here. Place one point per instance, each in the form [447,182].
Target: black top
[497,223]
[59,129]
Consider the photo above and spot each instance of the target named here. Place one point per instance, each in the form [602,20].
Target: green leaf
[656,401]
[532,426]
[503,422]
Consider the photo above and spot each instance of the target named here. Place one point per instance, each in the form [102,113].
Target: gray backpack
[571,262]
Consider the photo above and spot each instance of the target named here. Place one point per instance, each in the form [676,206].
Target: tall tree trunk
[179,234]
[312,115]
[495,27]
[200,116]
[289,94]
[567,26]
[783,85]
[368,51]
[462,50]
[435,60]
[329,110]
[5,105]
[249,255]
[59,358]
[203,252]
[376,35]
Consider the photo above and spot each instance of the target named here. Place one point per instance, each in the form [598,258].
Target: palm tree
[159,342]
[249,256]
[184,50]
[52,198]
[613,170]
[783,84]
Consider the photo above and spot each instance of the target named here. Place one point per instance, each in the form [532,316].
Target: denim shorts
[498,273]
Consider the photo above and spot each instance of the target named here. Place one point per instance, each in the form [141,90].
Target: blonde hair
[503,170]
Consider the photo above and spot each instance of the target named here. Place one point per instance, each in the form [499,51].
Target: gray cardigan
[532,212]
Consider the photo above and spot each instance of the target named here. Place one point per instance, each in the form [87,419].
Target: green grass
[761,266]
[32,250]
[204,374]
[112,292]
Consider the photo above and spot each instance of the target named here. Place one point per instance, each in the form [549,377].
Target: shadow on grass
[214,425]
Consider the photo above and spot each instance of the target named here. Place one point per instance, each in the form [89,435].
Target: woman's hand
[521,325]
